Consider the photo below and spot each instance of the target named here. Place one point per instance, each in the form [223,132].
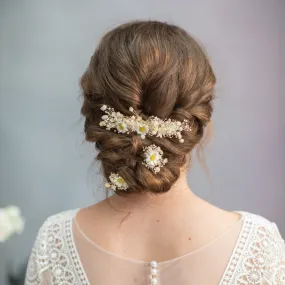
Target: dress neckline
[74,222]
[227,274]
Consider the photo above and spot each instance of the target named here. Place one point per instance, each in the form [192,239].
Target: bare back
[158,233]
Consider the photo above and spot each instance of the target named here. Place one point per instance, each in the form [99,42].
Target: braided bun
[159,70]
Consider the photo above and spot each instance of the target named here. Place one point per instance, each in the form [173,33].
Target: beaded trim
[153,273]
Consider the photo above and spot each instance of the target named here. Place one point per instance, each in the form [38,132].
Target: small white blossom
[11,222]
[156,169]
[104,107]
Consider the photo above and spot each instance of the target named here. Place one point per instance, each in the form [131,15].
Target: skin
[155,227]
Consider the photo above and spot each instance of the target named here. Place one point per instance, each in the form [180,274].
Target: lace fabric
[250,253]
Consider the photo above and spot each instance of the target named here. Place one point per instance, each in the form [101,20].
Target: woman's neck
[178,198]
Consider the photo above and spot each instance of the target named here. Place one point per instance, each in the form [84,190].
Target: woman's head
[158,70]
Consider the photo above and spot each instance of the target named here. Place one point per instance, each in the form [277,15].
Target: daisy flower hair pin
[154,158]
[116,183]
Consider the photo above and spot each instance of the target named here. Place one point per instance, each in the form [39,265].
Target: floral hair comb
[153,126]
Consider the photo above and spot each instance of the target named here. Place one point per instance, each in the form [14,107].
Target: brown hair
[159,70]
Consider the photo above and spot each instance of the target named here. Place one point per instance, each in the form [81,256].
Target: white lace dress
[252,252]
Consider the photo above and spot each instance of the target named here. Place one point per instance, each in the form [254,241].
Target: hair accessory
[153,126]
[117,183]
[154,158]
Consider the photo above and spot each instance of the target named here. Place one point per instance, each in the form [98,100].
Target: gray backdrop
[45,47]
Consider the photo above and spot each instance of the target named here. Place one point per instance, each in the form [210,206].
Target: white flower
[156,169]
[117,182]
[11,222]
[142,130]
[154,158]
[103,108]
[122,127]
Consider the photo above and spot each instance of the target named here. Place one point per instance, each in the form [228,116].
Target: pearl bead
[153,264]
[153,271]
[153,281]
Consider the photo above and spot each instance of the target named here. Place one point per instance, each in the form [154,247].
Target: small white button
[153,264]
[153,271]
[153,281]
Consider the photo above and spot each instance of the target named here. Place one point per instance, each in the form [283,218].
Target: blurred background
[45,46]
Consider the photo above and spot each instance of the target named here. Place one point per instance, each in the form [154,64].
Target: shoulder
[54,230]
[53,251]
[60,217]
[261,224]
[263,250]
[263,231]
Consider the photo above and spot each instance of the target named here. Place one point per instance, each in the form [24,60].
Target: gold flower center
[152,157]
[142,129]
[121,127]
[120,180]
